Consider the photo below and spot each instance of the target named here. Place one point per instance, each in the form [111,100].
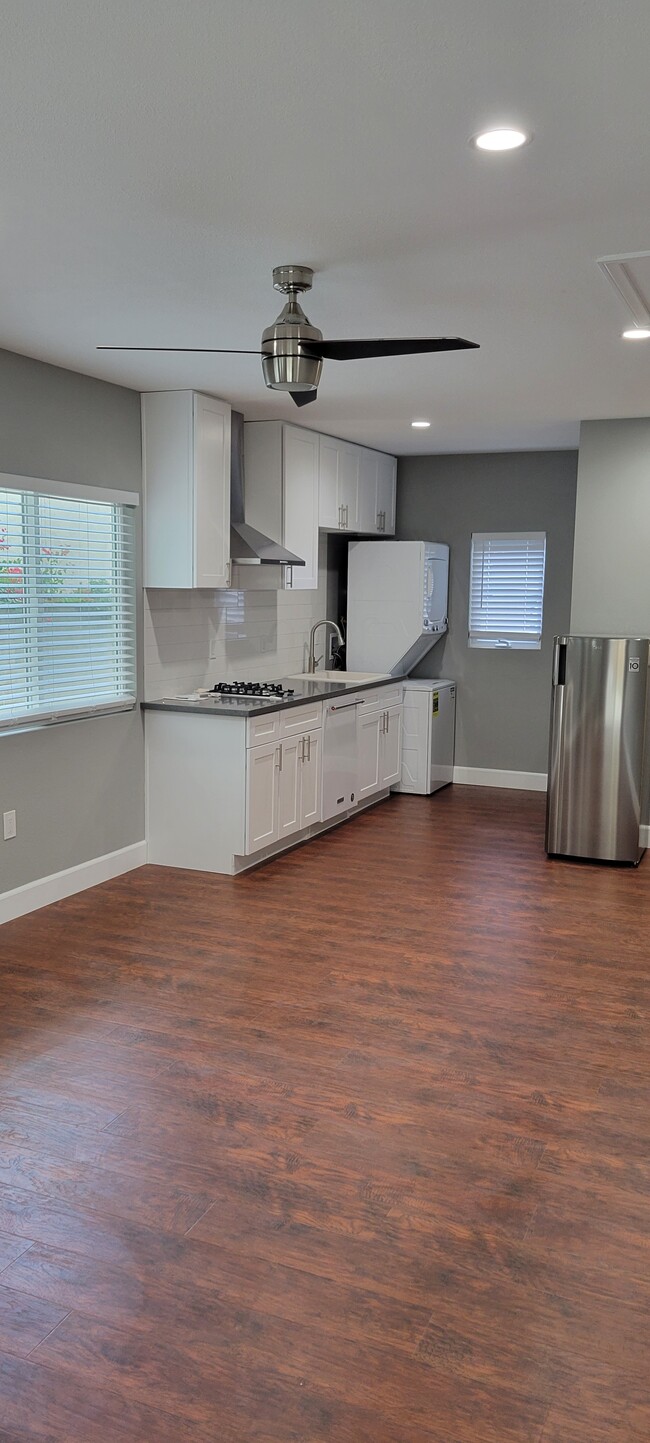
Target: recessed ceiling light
[420,425]
[502,139]
[637,333]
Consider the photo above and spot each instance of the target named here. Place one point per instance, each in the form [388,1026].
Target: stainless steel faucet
[311,664]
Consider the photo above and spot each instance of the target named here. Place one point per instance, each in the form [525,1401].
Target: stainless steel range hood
[249,547]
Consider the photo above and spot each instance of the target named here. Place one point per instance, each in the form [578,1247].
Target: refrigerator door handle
[559,664]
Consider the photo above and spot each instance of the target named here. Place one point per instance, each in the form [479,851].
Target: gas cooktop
[251,690]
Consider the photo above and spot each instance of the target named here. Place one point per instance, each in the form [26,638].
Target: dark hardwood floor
[354,1149]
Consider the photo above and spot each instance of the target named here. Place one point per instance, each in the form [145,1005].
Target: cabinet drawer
[264,728]
[301,718]
[380,700]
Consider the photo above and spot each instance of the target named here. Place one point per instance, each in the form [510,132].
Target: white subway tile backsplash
[256,635]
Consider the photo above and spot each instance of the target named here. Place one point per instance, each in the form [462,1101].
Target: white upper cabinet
[386,493]
[329,512]
[377,493]
[357,488]
[339,485]
[300,483]
[186,465]
[281,493]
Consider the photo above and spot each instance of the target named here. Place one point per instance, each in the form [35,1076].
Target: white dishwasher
[340,754]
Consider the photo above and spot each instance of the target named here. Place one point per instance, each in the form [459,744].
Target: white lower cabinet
[289,786]
[379,753]
[262,795]
[369,737]
[219,792]
[391,747]
[311,779]
[283,789]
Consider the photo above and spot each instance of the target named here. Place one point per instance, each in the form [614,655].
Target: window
[67,601]
[506,589]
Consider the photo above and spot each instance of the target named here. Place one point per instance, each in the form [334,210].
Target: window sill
[25,724]
[490,645]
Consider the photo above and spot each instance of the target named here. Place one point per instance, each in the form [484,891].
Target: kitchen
[285,773]
[324,1105]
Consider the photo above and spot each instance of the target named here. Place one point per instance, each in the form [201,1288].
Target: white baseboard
[74,879]
[486,777]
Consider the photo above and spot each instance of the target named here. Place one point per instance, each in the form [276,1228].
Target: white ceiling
[159,157]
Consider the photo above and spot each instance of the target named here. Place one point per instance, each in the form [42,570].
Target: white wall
[254,635]
[611,563]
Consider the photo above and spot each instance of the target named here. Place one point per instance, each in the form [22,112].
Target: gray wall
[503,696]
[611,570]
[78,788]
[611,574]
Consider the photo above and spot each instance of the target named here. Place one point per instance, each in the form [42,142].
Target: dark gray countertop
[305,691]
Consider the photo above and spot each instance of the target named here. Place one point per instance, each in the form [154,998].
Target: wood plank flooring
[354,1149]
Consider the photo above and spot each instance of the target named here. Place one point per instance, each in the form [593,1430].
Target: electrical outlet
[213,648]
[9,825]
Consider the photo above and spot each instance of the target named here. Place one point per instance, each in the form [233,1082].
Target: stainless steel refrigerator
[596,753]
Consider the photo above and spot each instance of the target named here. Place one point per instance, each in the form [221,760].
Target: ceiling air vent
[630,277]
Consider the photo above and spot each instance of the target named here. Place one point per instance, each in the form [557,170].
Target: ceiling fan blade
[183,350]
[363,350]
[302,398]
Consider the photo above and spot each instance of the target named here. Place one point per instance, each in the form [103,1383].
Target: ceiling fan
[293,350]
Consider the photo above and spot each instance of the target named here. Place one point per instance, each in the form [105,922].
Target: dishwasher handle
[344,705]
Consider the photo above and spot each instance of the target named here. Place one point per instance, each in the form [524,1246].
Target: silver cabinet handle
[341,521]
[347,519]
[308,749]
[345,704]
[278,758]
[301,753]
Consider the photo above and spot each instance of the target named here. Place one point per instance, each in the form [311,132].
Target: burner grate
[252,689]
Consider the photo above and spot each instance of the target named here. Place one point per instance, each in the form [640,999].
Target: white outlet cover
[9,825]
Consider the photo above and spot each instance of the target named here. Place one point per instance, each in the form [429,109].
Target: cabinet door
[369,738]
[300,498]
[262,766]
[391,746]
[289,777]
[328,483]
[349,458]
[211,492]
[310,779]
[168,474]
[368,505]
[385,493]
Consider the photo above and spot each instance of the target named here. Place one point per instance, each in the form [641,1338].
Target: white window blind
[67,605]
[506,591]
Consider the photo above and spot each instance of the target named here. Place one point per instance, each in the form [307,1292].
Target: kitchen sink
[345,678]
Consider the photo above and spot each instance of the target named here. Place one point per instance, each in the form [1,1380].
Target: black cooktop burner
[252,689]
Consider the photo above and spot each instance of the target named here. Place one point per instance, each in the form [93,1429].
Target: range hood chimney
[249,547]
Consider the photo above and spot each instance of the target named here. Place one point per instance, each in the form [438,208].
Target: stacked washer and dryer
[397,610]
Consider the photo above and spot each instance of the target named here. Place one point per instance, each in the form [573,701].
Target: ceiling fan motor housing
[284,366]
